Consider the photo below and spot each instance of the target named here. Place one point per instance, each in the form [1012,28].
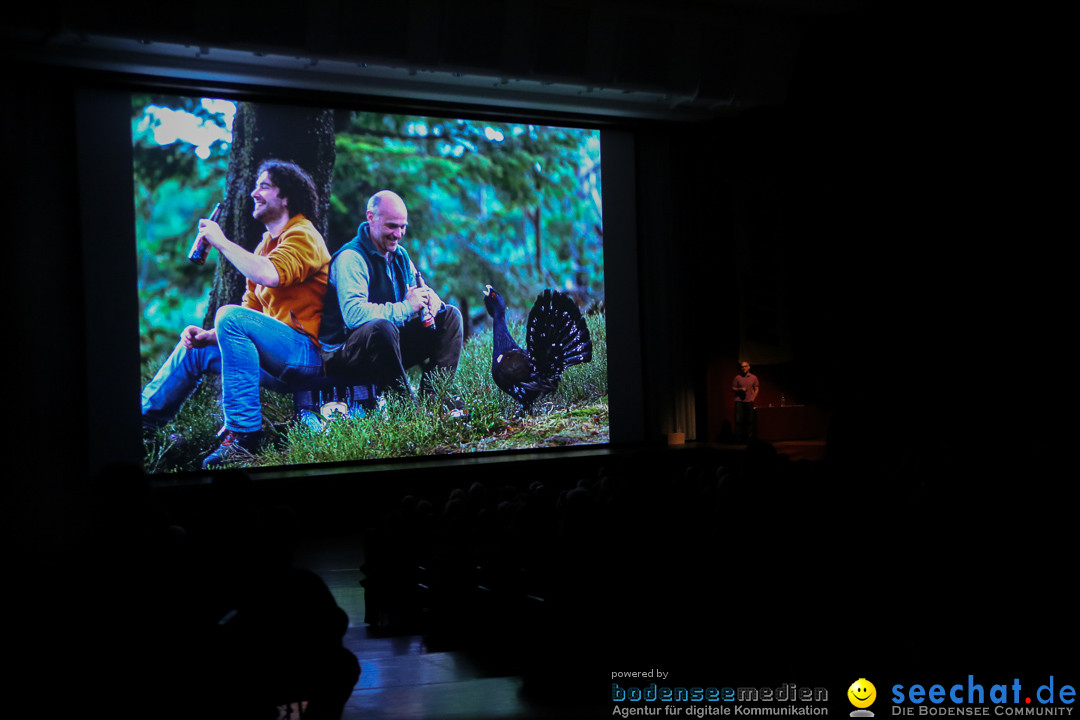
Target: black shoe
[236,447]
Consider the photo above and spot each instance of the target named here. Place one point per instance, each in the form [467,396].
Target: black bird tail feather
[557,336]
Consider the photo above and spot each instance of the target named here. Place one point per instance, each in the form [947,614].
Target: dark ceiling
[672,60]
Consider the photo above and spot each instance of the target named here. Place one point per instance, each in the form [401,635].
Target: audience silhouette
[711,562]
[209,619]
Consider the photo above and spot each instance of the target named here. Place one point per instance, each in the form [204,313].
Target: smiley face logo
[862,693]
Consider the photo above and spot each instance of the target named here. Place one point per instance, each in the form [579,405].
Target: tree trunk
[537,234]
[466,317]
[263,132]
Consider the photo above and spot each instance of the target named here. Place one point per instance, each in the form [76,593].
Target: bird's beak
[487,290]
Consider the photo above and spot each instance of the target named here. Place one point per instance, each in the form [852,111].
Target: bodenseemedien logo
[862,694]
[677,700]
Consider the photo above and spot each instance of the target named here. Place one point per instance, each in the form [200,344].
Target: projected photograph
[337,286]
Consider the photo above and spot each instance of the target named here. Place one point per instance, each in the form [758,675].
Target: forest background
[514,205]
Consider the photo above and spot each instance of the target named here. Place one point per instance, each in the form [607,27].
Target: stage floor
[402,677]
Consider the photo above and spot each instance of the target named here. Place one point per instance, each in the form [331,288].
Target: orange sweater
[299,253]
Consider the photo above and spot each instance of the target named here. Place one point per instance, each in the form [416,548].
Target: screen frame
[103,115]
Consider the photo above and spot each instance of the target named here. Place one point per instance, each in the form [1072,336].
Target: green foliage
[513,205]
[481,198]
[176,183]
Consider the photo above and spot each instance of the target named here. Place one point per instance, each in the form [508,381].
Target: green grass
[576,413]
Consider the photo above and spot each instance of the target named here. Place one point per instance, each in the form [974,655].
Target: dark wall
[911,230]
[46,399]
[927,282]
[868,174]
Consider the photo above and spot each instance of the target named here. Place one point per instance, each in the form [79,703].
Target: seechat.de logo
[975,698]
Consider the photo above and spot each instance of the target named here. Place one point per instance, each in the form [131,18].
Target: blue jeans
[253,349]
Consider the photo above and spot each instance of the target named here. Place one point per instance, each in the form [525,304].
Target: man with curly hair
[271,338]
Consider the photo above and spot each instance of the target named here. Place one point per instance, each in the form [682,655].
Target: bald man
[372,328]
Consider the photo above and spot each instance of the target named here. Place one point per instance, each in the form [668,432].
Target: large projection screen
[502,202]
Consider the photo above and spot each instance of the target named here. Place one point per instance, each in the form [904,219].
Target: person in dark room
[745,387]
[271,337]
[378,319]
